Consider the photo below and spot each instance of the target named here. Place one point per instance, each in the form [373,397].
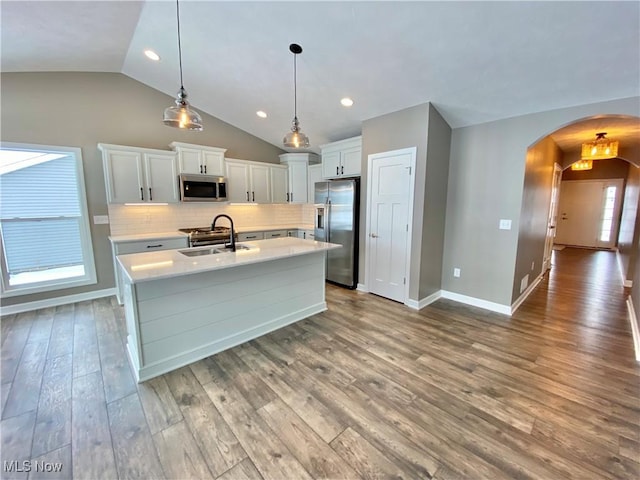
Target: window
[607,213]
[44,226]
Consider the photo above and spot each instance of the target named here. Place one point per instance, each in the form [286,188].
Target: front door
[588,213]
[390,184]
[552,222]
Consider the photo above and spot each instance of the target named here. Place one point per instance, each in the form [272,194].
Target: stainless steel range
[201,236]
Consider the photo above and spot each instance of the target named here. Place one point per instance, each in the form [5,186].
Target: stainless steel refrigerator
[337,211]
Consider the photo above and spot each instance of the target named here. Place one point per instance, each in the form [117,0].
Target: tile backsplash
[135,219]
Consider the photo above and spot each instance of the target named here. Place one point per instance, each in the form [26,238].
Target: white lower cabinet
[125,247]
[275,234]
[248,236]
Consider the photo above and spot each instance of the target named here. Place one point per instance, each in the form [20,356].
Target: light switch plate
[456,272]
[101,219]
[505,224]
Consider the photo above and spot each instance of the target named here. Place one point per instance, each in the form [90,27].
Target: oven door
[202,188]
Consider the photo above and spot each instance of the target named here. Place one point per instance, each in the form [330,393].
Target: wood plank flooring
[369,389]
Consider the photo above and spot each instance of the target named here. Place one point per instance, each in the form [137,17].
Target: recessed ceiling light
[346,102]
[261,114]
[152,55]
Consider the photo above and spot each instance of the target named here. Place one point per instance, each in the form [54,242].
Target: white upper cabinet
[199,158]
[279,183]
[314,174]
[135,175]
[248,182]
[298,163]
[342,159]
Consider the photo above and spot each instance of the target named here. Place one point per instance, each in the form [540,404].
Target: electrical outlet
[505,224]
[456,272]
[101,219]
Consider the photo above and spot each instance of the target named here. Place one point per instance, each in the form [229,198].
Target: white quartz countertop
[146,236]
[142,267]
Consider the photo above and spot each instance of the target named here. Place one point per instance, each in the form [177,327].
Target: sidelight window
[608,209]
[44,226]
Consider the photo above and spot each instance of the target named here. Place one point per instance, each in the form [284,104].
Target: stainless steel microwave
[202,188]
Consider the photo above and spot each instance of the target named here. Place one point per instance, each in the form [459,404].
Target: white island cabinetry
[180,309]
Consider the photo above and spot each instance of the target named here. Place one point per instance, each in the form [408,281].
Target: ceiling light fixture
[346,102]
[600,149]
[151,55]
[582,165]
[181,115]
[295,138]
[261,114]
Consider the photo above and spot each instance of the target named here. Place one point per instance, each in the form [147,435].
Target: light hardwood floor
[368,389]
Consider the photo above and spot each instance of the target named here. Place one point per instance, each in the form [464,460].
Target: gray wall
[435,204]
[82,109]
[420,126]
[486,183]
[534,213]
[629,223]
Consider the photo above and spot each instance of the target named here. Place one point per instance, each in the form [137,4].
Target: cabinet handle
[292,196]
[273,235]
[342,170]
[253,194]
[337,170]
[141,193]
[247,196]
[287,196]
[249,237]
[205,169]
[200,168]
[150,196]
[154,246]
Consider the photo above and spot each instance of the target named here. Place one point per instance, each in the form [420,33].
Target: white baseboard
[54,302]
[477,302]
[420,304]
[515,305]
[362,288]
[635,328]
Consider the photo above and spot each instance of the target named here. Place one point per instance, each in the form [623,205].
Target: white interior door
[552,222]
[588,213]
[390,190]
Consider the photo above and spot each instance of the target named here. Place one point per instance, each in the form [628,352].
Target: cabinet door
[279,184]
[260,184]
[124,176]
[238,187]
[314,174]
[351,162]
[162,177]
[213,163]
[297,182]
[190,160]
[331,164]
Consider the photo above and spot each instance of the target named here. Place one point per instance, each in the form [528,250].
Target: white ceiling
[476,61]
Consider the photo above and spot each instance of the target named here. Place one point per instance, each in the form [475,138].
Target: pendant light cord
[179,43]
[295,87]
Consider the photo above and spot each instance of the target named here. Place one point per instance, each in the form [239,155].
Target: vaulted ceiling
[475,61]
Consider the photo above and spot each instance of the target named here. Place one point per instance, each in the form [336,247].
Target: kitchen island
[181,307]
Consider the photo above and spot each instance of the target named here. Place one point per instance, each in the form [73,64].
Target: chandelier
[600,149]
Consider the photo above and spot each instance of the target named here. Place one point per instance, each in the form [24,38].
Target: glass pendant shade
[295,138]
[181,115]
[600,149]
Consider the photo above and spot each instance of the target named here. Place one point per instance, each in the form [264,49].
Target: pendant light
[181,115]
[295,138]
[600,149]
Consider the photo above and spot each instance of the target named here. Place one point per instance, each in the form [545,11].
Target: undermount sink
[196,252]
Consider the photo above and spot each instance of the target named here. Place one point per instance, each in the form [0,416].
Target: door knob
[373,235]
